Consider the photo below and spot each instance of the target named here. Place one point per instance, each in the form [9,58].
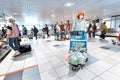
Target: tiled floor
[104,64]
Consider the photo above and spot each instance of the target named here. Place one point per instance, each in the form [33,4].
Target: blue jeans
[13,43]
[35,35]
[89,34]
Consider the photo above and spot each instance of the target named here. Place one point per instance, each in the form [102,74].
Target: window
[108,23]
[112,23]
[118,22]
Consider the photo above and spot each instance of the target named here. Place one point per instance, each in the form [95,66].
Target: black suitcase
[102,36]
[24,48]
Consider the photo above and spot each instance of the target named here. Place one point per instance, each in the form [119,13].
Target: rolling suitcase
[24,48]
[25,45]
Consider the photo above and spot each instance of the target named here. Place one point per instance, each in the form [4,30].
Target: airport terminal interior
[59,40]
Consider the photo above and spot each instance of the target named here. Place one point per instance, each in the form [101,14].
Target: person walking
[68,29]
[47,30]
[35,30]
[104,30]
[12,36]
[90,30]
[94,29]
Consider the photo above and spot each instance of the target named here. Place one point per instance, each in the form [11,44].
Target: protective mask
[81,16]
[9,24]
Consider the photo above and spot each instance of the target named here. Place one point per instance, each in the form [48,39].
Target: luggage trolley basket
[78,50]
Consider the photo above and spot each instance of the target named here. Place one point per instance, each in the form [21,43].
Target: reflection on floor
[25,74]
[103,64]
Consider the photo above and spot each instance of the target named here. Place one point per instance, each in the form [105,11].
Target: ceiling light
[68,4]
[53,16]
[104,10]
[15,13]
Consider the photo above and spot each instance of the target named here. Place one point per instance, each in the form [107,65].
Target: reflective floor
[47,59]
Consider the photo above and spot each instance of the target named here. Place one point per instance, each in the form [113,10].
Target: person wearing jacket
[90,30]
[80,24]
[12,36]
[104,30]
[68,29]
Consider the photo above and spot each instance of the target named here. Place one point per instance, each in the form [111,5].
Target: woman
[12,36]
[94,29]
[80,24]
[90,30]
[58,31]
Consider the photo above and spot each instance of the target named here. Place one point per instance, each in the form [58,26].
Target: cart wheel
[81,66]
[74,68]
[78,68]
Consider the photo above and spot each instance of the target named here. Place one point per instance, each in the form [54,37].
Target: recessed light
[15,13]
[53,15]
[104,10]
[68,4]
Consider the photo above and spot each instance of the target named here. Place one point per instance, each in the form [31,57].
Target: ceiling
[31,12]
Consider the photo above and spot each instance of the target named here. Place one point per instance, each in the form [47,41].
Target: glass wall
[113,22]
[118,22]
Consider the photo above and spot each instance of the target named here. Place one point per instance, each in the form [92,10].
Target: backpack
[35,30]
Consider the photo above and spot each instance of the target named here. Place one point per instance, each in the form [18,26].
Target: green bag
[73,59]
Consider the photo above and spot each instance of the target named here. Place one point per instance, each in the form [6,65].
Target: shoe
[16,54]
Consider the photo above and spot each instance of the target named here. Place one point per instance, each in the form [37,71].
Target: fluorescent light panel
[68,4]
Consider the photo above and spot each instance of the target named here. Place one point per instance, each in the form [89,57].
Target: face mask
[9,24]
[81,17]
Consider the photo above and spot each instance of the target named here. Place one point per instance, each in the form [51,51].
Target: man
[47,30]
[35,30]
[94,29]
[104,30]
[68,28]
[24,30]
[63,35]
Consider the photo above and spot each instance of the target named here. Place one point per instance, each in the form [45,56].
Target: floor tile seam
[104,68]
[78,77]
[28,76]
[111,58]
[102,72]
[11,72]
[107,55]
[7,70]
[54,69]
[105,71]
[113,73]
[37,63]
[97,77]
[59,66]
[61,60]
[10,66]
[115,60]
[64,75]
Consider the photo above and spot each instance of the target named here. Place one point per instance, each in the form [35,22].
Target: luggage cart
[78,50]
